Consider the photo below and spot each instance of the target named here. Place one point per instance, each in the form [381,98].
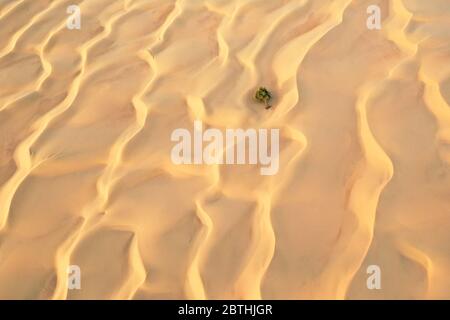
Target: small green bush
[263,95]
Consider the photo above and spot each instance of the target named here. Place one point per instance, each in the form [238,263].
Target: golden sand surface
[86,176]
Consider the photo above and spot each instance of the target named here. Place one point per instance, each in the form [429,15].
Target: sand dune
[86,176]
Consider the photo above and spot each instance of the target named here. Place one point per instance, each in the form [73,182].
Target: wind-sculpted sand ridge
[86,176]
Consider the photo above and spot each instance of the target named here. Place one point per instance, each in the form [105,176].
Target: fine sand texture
[86,176]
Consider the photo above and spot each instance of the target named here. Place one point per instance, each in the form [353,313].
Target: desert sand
[86,176]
